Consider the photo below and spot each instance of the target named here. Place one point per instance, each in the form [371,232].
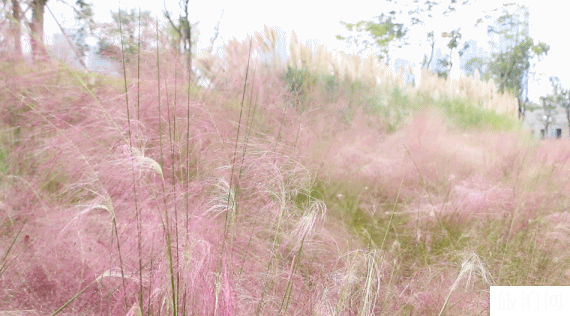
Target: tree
[15,28]
[474,64]
[183,30]
[384,30]
[37,29]
[18,19]
[10,28]
[423,12]
[447,62]
[382,34]
[85,25]
[509,67]
[176,39]
[426,63]
[121,36]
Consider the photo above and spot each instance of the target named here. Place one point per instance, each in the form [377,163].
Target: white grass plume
[470,265]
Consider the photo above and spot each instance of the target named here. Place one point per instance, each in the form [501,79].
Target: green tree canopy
[135,26]
[392,27]
[509,65]
[377,33]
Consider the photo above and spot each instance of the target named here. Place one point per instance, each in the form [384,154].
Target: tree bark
[188,31]
[189,35]
[184,30]
[37,39]
[16,29]
[431,55]
[521,109]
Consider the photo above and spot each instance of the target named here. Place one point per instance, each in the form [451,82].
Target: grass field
[269,192]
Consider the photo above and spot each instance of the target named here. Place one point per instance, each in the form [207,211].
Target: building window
[542,134]
[558,133]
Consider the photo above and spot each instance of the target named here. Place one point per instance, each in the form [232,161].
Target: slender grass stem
[230,203]
[443,228]
[172,138]
[3,264]
[391,216]
[132,163]
[167,219]
[248,123]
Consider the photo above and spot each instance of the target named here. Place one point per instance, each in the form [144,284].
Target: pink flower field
[144,195]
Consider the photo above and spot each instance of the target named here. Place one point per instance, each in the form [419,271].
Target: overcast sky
[319,20]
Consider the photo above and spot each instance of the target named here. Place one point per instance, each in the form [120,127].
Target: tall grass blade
[3,265]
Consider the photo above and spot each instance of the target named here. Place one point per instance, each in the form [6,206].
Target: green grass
[393,105]
[466,114]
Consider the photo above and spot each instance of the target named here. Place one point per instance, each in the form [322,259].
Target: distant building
[558,128]
[64,52]
[102,65]
[93,61]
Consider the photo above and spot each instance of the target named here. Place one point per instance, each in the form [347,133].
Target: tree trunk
[37,38]
[189,35]
[16,29]
[450,62]
[431,55]
[521,108]
[188,31]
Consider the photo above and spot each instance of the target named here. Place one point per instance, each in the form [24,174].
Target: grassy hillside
[270,192]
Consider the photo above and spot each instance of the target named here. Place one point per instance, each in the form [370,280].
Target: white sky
[319,20]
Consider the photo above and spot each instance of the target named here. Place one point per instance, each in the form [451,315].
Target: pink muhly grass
[264,85]
[271,210]
[470,265]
